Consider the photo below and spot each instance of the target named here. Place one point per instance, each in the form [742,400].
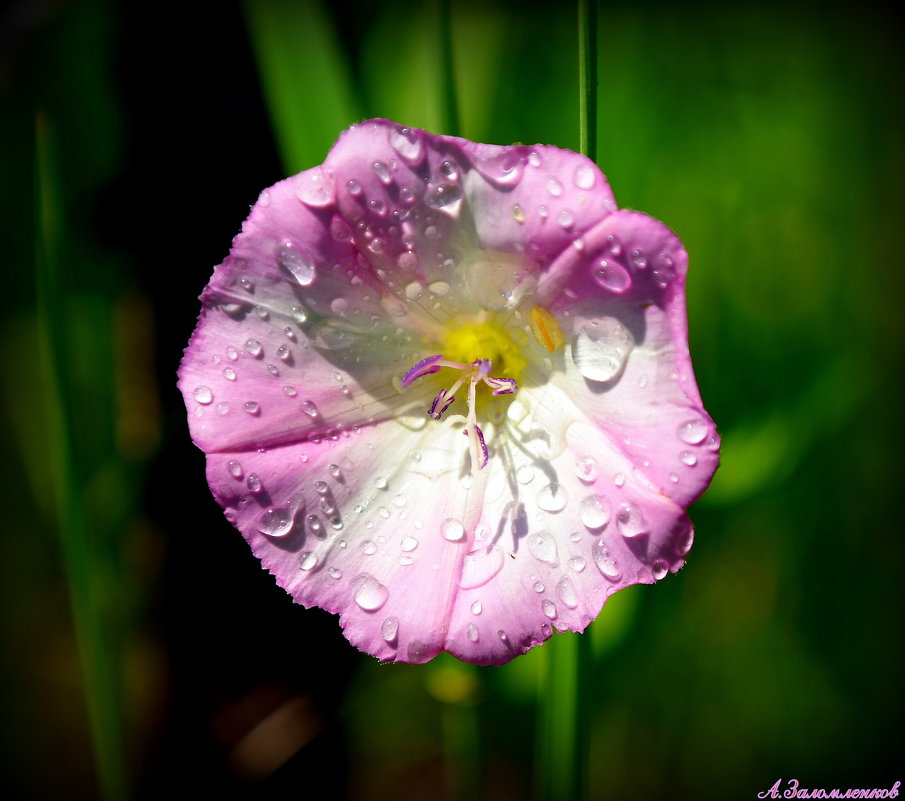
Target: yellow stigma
[467,340]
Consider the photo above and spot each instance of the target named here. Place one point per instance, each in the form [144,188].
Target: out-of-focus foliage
[768,136]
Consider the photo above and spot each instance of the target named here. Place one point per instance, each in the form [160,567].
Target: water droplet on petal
[594,512]
[601,349]
[299,314]
[565,218]
[354,188]
[382,172]
[549,609]
[334,573]
[439,288]
[452,530]
[693,431]
[315,188]
[566,592]
[442,196]
[277,522]
[339,306]
[639,260]
[471,631]
[203,395]
[612,276]
[380,482]
[584,177]
[577,563]
[229,374]
[307,560]
[408,544]
[368,548]
[605,561]
[477,608]
[688,458]
[554,187]
[252,408]
[586,470]
[542,547]
[552,498]
[299,266]
[525,474]
[389,628]
[630,521]
[234,468]
[479,567]
[407,143]
[659,568]
[309,408]
[369,593]
[253,483]
[414,291]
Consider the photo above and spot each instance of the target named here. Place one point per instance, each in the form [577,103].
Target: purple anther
[484,366]
[502,386]
[423,368]
[441,398]
[485,456]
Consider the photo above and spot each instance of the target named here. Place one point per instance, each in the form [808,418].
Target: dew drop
[586,470]
[380,482]
[253,482]
[565,218]
[480,566]
[382,172]
[525,474]
[354,188]
[549,609]
[232,353]
[339,306]
[299,266]
[439,288]
[203,395]
[229,374]
[639,260]
[606,562]
[471,631]
[334,573]
[577,563]
[517,213]
[314,188]
[290,391]
[477,608]
[594,512]
[275,522]
[442,196]
[407,143]
[309,408]
[389,628]
[252,408]
[688,458]
[566,592]
[693,431]
[334,470]
[554,187]
[583,177]
[414,291]
[369,593]
[542,547]
[452,530]
[321,487]
[630,521]
[234,468]
[659,568]
[368,548]
[409,544]
[612,276]
[307,560]
[552,498]
[601,349]
[299,314]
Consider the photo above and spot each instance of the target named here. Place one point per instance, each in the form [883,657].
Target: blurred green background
[134,137]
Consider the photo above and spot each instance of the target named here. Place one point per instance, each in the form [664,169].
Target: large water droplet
[471,631]
[369,593]
[414,291]
[693,431]
[294,262]
[309,408]
[368,548]
[277,522]
[552,498]
[566,592]
[594,512]
[577,563]
[584,177]
[252,408]
[382,172]
[601,349]
[549,609]
[389,628]
[203,395]
[315,188]
[605,561]
[630,521]
[234,468]
[408,544]
[407,143]
[480,566]
[542,547]
[503,167]
[308,560]
[688,458]
[443,196]
[659,568]
[586,470]
[452,530]
[525,474]
[612,276]
[477,608]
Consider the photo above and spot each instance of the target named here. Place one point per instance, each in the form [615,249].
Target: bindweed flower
[444,390]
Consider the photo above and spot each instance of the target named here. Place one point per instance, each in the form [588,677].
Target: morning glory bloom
[445,392]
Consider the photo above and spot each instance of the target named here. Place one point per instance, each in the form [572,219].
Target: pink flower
[444,390]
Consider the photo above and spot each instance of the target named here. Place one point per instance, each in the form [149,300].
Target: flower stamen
[476,372]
